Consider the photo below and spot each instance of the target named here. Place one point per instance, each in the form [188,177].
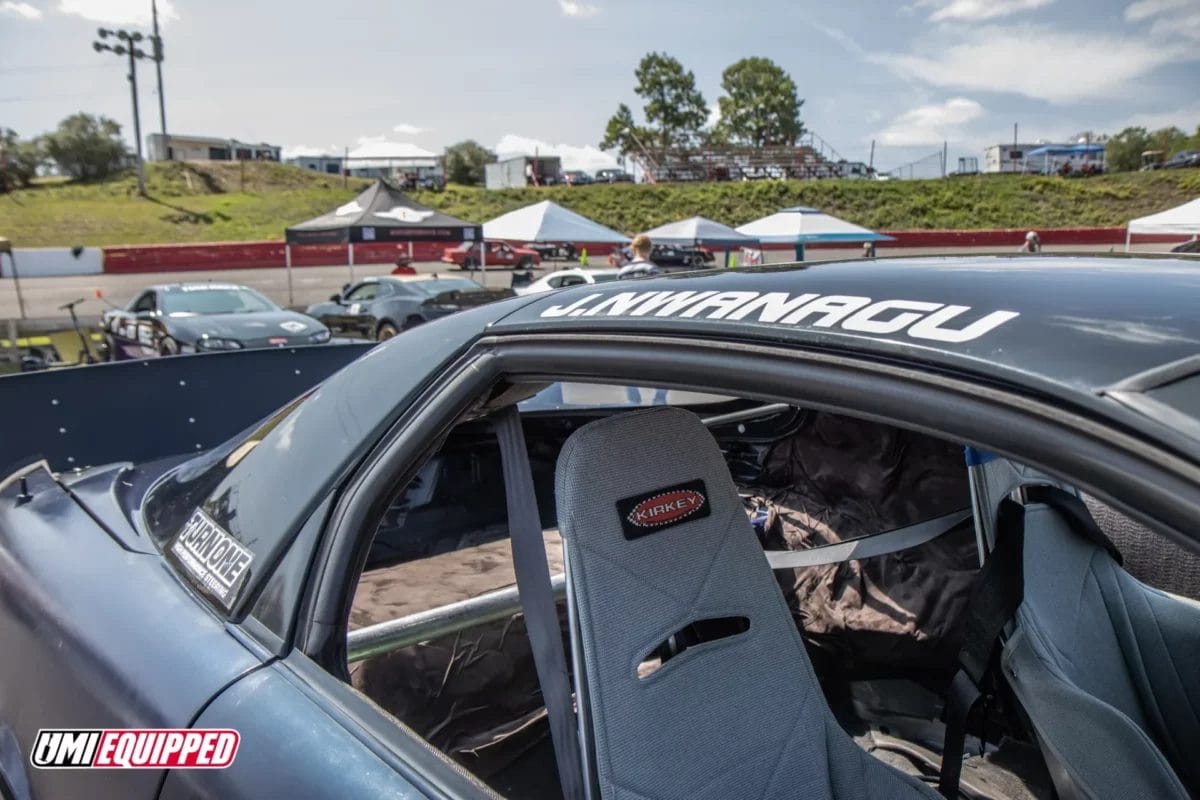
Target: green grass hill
[224,202]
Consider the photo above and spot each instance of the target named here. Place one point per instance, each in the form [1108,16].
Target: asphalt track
[43,296]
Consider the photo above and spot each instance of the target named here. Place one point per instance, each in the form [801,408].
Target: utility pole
[158,59]
[130,48]
[945,156]
[871,162]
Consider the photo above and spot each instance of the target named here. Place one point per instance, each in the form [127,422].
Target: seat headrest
[644,485]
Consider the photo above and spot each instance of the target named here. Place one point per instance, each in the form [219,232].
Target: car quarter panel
[96,636]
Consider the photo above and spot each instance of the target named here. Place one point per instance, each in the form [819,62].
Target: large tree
[675,110]
[761,105]
[622,133]
[1123,151]
[18,160]
[86,147]
[466,162]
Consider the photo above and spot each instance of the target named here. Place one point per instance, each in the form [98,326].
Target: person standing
[1033,243]
[641,263]
[868,250]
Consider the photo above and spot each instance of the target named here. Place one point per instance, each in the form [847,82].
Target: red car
[499,254]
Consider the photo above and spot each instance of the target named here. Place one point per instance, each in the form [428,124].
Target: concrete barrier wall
[254,255]
[43,262]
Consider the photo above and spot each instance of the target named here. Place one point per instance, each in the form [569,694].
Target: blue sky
[548,73]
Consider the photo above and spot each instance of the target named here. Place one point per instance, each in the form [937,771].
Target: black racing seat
[1106,668]
[692,678]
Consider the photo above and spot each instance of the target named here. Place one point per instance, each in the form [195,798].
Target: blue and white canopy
[699,231]
[802,225]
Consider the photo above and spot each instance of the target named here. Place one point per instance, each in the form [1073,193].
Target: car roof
[1073,325]
[194,286]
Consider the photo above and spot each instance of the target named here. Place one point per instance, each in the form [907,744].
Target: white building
[1008,157]
[330,165]
[207,148]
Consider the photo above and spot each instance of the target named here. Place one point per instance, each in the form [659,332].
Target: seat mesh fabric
[738,717]
[1105,667]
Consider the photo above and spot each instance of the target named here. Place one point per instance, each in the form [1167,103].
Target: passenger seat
[692,677]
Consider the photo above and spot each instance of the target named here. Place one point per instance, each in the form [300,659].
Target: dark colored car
[499,254]
[927,521]
[552,251]
[179,318]
[379,308]
[666,256]
[577,177]
[1184,158]
[613,176]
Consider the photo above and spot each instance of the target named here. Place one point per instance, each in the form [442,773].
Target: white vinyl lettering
[834,307]
[866,322]
[931,327]
[562,311]
[619,304]
[669,303]
[774,305]
[723,302]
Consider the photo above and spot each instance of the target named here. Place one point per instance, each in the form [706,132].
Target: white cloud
[843,40]
[298,150]
[572,8]
[20,9]
[118,12]
[931,124]
[1144,9]
[1056,66]
[380,147]
[586,157]
[714,115]
[978,9]
[408,130]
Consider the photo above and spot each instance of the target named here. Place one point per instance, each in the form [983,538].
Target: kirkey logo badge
[663,508]
[134,748]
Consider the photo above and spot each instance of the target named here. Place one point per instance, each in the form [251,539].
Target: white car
[568,277]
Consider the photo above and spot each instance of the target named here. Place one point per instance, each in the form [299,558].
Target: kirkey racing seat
[1104,666]
[692,676]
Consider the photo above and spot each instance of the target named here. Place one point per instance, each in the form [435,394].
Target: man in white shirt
[641,263]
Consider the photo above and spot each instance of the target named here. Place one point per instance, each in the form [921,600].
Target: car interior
[821,627]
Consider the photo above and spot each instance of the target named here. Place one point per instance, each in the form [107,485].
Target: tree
[18,160]
[1123,152]
[1170,140]
[760,106]
[86,147]
[466,162]
[675,110]
[621,133]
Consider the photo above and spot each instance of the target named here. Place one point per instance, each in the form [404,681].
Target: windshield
[215,301]
[434,288]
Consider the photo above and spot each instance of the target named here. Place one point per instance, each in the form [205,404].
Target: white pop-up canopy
[800,225]
[1184,219]
[549,222]
[699,231]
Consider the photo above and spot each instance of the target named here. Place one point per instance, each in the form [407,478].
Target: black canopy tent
[379,214]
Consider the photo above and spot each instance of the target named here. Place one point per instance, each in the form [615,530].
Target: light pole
[128,47]
[158,59]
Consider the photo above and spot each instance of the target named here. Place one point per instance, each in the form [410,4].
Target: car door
[356,307]
[135,330]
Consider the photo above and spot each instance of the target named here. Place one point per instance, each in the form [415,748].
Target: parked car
[577,177]
[552,251]
[613,176]
[379,308]
[666,256]
[175,318]
[1184,158]
[564,278]
[334,582]
[499,254]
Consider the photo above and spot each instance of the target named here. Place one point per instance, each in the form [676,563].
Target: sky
[522,75]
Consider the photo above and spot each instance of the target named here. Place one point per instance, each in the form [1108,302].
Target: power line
[53,68]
